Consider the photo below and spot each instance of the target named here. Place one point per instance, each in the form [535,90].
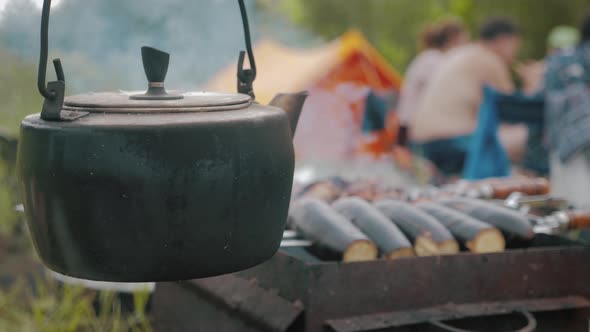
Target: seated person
[437,39]
[447,115]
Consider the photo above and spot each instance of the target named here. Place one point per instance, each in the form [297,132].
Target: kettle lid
[123,102]
[156,99]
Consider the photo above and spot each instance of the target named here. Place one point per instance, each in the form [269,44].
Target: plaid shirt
[567,101]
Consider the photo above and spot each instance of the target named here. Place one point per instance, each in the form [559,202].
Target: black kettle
[156,186]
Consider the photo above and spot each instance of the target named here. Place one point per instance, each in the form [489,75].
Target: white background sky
[37,2]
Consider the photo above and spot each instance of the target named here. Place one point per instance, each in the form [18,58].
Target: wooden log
[430,237]
[578,219]
[325,190]
[386,235]
[318,222]
[476,235]
[361,188]
[508,221]
[501,188]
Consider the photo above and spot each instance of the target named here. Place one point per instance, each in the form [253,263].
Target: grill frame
[549,280]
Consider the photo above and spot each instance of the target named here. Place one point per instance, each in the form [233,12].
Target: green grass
[55,308]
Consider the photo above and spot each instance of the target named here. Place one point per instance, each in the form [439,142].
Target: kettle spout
[292,104]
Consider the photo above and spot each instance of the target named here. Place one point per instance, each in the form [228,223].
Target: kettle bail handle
[246,77]
[41,85]
[54,93]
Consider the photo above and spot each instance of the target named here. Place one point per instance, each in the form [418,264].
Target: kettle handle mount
[54,92]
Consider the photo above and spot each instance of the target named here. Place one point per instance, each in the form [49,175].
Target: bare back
[452,99]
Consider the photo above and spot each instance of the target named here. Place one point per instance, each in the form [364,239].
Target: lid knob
[155,65]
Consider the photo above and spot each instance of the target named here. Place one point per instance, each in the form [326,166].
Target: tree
[393,25]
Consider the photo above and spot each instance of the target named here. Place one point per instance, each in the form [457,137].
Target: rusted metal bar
[255,305]
[453,311]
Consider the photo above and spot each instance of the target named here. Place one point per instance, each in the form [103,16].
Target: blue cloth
[521,108]
[567,101]
[448,155]
[529,110]
[486,157]
[376,109]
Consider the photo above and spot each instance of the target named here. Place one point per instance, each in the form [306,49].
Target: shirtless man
[447,115]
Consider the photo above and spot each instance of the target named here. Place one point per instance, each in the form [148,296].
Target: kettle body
[156,186]
[154,197]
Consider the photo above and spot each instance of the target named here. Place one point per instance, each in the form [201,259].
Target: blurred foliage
[18,81]
[10,221]
[394,26]
[55,308]
[18,102]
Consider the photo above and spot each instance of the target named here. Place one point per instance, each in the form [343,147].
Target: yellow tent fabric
[284,69]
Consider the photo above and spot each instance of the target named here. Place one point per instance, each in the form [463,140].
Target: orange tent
[338,76]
